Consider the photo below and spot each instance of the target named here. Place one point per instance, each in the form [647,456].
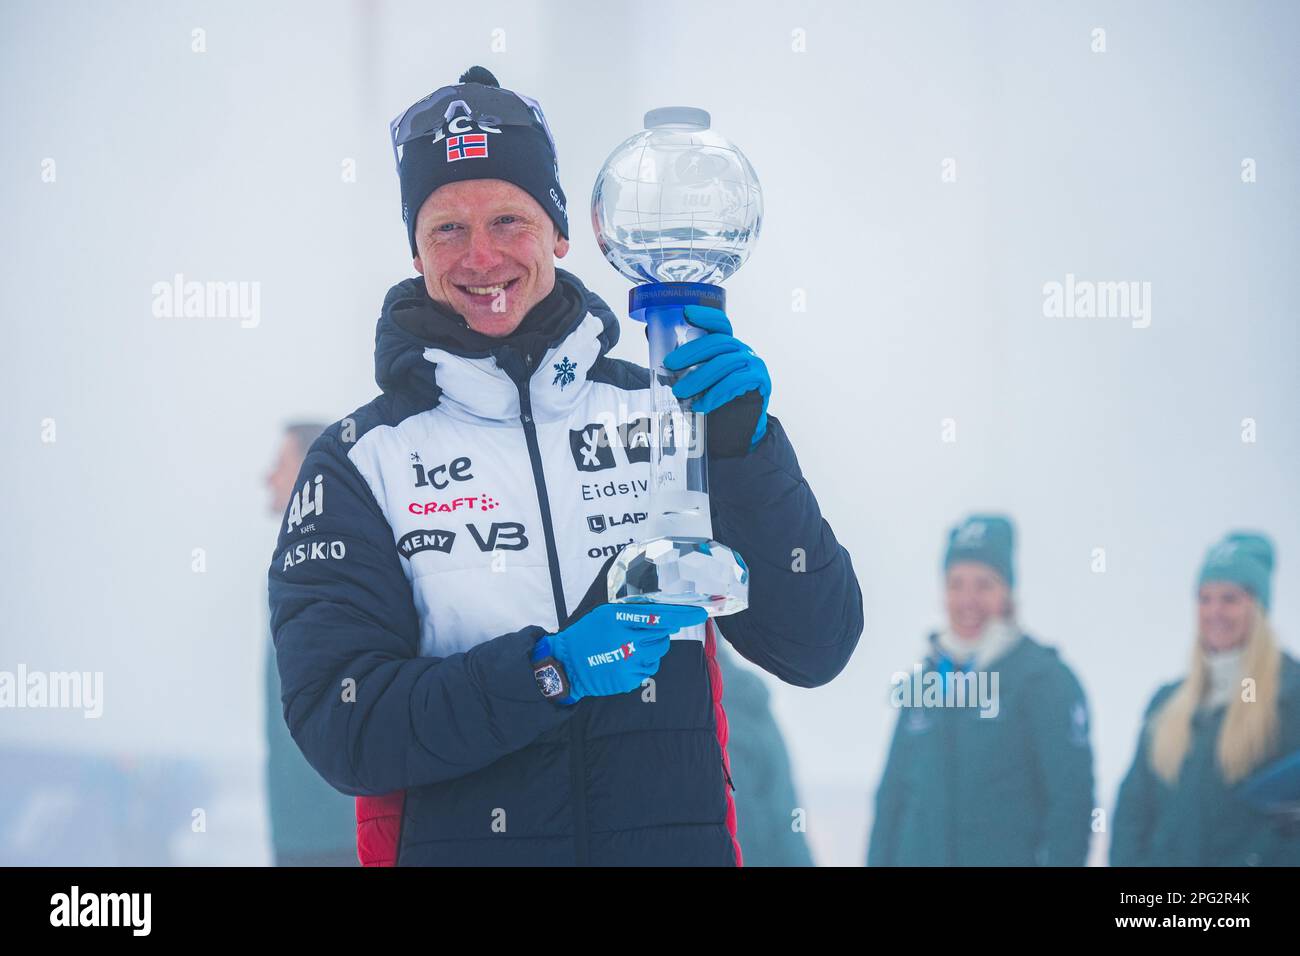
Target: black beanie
[484,143]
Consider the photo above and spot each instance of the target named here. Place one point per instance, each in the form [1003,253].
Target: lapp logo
[621,653]
[599,523]
[636,617]
[481,502]
[971,534]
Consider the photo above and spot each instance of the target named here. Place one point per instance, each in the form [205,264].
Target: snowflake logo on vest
[565,372]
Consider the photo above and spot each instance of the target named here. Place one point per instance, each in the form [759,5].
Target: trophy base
[692,571]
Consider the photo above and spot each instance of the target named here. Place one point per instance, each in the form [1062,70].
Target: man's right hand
[609,650]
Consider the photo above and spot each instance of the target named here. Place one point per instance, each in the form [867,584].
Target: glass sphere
[677,202]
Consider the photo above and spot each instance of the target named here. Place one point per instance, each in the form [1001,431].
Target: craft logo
[481,502]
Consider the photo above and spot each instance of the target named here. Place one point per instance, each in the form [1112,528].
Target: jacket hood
[414,332]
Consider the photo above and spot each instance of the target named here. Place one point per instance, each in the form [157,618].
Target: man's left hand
[729,384]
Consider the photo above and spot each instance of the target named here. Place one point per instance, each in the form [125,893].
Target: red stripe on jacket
[379,825]
[720,718]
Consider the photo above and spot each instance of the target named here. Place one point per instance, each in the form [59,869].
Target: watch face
[548,679]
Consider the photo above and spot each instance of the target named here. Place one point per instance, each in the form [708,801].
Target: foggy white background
[924,302]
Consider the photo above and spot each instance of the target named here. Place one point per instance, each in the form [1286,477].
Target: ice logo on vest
[565,372]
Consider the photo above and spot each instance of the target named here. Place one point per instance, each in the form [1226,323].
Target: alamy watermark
[53,690]
[1086,299]
[182,299]
[922,688]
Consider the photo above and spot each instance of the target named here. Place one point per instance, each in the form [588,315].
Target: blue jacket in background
[1016,789]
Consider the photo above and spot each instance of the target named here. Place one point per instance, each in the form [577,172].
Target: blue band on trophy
[659,294]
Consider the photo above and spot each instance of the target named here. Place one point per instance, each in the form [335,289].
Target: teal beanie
[1242,558]
[988,539]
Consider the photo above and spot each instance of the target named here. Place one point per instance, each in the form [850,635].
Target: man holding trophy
[498,590]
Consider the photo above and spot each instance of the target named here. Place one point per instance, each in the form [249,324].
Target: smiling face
[974,594]
[487,251]
[1225,613]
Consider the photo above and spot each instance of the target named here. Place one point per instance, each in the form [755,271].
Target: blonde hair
[1250,728]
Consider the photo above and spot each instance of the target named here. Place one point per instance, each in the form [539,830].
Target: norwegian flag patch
[466,146]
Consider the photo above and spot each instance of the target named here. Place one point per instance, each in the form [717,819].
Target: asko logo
[636,617]
[620,653]
[469,503]
[316,551]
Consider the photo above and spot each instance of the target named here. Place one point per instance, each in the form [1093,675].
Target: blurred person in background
[439,658]
[760,769]
[1005,783]
[312,824]
[1188,798]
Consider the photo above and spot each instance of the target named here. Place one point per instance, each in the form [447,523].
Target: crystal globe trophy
[677,209]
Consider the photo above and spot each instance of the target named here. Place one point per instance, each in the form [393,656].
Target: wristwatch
[549,672]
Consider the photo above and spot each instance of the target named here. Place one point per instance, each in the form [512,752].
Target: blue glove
[727,369]
[610,650]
